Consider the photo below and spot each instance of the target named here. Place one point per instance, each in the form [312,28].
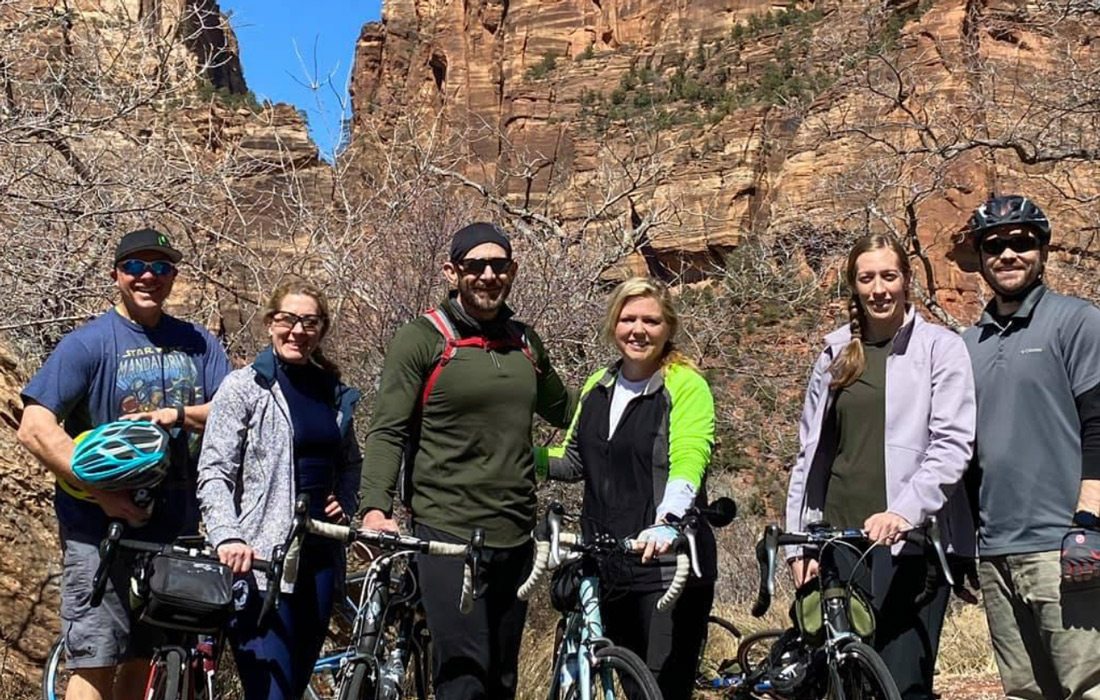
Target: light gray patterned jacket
[246,477]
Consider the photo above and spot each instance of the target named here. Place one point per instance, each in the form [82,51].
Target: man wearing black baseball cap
[134,361]
[455,406]
[144,240]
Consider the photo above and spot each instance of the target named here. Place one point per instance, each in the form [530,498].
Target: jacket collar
[843,335]
[655,383]
[264,364]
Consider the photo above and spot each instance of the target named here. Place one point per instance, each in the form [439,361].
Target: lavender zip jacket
[930,418]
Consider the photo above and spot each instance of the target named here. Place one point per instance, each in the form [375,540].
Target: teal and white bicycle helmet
[124,454]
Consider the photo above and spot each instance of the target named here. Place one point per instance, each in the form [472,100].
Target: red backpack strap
[445,328]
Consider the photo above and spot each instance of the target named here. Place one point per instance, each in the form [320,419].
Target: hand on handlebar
[803,570]
[237,556]
[376,520]
[655,541]
[886,527]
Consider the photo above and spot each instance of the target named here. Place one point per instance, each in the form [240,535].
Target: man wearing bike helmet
[134,361]
[456,403]
[1036,359]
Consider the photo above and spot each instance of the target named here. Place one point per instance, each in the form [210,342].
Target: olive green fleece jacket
[473,464]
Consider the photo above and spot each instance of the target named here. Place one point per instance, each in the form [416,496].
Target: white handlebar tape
[538,570]
[683,566]
[330,530]
[446,549]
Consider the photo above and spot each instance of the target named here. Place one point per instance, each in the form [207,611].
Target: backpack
[516,339]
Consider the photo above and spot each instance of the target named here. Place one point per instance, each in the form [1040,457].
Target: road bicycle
[183,589]
[829,659]
[587,665]
[387,655]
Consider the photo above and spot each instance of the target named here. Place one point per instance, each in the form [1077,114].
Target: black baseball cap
[146,239]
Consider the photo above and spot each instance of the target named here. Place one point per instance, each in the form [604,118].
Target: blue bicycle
[587,665]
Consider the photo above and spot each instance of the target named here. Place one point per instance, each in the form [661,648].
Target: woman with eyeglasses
[280,427]
[886,434]
[641,440]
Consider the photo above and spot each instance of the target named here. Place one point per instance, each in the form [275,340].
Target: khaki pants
[1046,640]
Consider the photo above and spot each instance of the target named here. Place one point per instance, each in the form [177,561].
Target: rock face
[761,119]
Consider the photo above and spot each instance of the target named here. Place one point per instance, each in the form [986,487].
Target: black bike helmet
[1008,209]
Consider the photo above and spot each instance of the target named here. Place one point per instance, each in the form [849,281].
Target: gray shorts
[106,635]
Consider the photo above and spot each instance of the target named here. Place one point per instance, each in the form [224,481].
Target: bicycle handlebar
[114,542]
[396,542]
[548,551]
[767,550]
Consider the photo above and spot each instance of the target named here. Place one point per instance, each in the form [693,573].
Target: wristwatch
[1087,520]
[180,416]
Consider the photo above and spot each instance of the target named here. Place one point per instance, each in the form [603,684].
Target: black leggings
[669,642]
[474,655]
[906,637]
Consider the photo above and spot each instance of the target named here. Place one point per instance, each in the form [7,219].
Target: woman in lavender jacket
[886,434]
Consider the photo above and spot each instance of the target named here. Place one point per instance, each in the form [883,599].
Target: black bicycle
[388,654]
[825,655]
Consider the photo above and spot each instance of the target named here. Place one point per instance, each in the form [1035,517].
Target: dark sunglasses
[476,266]
[137,268]
[286,319]
[1020,244]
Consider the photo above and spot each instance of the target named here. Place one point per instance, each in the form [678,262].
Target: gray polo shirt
[1027,374]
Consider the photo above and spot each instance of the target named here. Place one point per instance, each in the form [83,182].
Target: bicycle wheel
[55,678]
[167,674]
[860,674]
[627,672]
[324,681]
[718,660]
[356,682]
[755,648]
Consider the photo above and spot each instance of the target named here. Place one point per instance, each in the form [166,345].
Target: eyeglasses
[1019,244]
[137,268]
[310,322]
[476,266]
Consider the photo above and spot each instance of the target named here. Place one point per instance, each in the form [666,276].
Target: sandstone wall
[906,115]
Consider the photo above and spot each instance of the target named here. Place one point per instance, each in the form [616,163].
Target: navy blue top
[309,392]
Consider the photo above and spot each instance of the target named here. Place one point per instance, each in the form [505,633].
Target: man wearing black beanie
[459,391]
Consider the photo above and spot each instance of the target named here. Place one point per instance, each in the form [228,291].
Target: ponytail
[850,363]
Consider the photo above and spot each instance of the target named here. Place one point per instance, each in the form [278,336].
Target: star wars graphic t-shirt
[110,367]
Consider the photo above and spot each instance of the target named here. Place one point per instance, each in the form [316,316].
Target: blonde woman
[886,435]
[641,440]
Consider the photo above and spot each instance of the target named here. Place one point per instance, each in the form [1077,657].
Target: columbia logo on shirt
[1028,351]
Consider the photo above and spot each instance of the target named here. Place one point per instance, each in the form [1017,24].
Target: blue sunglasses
[137,268]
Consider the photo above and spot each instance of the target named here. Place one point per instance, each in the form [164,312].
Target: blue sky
[287,46]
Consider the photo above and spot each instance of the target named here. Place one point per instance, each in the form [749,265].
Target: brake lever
[937,545]
[766,550]
[108,550]
[690,527]
[553,518]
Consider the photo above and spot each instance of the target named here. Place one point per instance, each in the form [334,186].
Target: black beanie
[470,237]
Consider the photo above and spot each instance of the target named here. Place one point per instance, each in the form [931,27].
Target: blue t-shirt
[112,366]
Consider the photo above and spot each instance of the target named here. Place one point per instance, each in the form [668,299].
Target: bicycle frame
[583,635]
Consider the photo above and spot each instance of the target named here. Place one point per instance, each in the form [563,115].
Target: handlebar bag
[808,616]
[185,593]
[565,587]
